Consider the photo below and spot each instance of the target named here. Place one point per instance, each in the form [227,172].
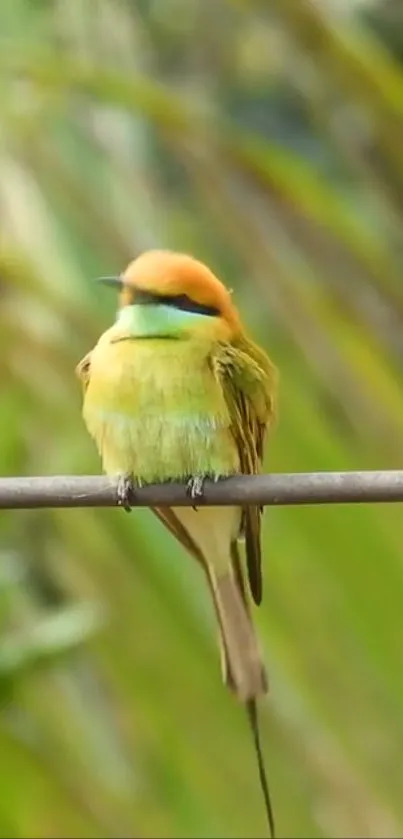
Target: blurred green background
[267,140]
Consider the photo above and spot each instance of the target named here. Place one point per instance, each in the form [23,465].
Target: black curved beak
[117,282]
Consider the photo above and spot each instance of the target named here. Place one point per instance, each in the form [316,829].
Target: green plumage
[157,412]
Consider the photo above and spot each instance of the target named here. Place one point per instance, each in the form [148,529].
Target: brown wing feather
[249,382]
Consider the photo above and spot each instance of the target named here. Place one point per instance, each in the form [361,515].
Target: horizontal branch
[277,488]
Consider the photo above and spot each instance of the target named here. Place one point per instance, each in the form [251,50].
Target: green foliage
[270,146]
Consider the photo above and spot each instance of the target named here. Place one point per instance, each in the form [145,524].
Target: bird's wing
[83,370]
[249,382]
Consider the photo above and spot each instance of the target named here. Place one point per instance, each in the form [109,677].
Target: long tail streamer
[251,709]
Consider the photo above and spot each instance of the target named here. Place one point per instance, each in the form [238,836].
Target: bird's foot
[195,488]
[126,487]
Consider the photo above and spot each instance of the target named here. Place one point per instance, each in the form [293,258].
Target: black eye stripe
[179,301]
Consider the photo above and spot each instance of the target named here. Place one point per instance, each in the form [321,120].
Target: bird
[176,390]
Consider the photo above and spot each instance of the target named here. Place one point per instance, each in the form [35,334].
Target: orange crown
[171,274]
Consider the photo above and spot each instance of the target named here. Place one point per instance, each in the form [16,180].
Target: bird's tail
[251,708]
[243,669]
[242,666]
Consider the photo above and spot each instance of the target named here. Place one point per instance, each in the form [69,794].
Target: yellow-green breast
[156,411]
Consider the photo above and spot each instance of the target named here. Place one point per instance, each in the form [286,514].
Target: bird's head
[171,295]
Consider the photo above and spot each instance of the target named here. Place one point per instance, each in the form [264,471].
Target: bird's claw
[195,488]
[124,491]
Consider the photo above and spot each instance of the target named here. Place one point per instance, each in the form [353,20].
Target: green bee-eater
[175,390]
